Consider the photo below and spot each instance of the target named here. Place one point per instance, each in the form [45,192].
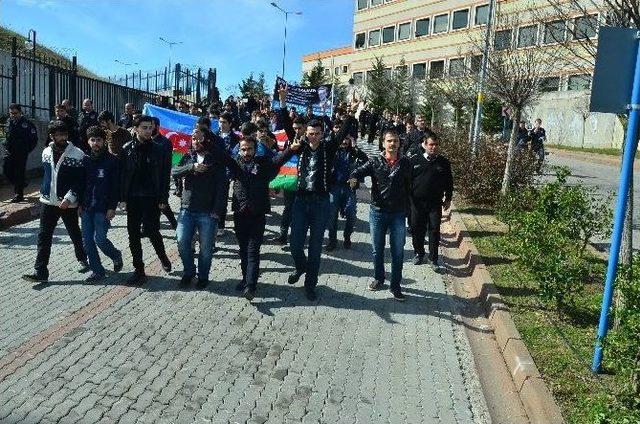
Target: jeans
[342,198]
[379,223]
[285,221]
[249,230]
[144,210]
[425,219]
[207,226]
[94,232]
[49,216]
[310,212]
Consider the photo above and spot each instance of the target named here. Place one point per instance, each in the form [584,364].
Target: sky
[235,36]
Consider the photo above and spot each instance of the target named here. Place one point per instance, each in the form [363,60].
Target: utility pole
[170,44]
[284,44]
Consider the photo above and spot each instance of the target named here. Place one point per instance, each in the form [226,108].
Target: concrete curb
[536,398]
[19,213]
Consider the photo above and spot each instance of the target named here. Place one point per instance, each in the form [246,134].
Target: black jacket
[87,119]
[160,169]
[415,138]
[251,182]
[431,180]
[390,187]
[102,184]
[202,192]
[22,138]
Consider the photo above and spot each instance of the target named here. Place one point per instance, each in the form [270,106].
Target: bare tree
[454,90]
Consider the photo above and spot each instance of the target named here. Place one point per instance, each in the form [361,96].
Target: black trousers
[14,169]
[49,216]
[144,210]
[425,218]
[285,221]
[250,233]
[168,213]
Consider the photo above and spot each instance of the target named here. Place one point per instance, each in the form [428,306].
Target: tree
[253,87]
[378,85]
[432,101]
[455,92]
[400,96]
[315,77]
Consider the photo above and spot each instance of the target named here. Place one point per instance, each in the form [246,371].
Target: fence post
[156,87]
[139,79]
[52,90]
[187,86]
[176,92]
[198,79]
[147,82]
[73,81]
[126,80]
[14,70]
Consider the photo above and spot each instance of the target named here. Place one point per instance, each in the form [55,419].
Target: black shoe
[294,277]
[117,265]
[17,198]
[347,243]
[94,278]
[310,294]
[375,285]
[38,277]
[330,246]
[240,286]
[185,281]
[84,267]
[397,295]
[418,259]
[249,293]
[202,283]
[137,278]
[166,264]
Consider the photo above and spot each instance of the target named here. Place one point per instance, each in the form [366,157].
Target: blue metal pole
[631,144]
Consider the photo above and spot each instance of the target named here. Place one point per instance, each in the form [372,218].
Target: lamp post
[32,33]
[170,44]
[284,44]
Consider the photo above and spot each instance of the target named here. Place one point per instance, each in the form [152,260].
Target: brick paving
[73,352]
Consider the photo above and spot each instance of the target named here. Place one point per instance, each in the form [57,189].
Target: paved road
[604,179]
[72,352]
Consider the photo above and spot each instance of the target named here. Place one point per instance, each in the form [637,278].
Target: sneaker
[202,283]
[166,264]
[17,198]
[331,246]
[185,281]
[38,277]
[418,259]
[117,265]
[294,277]
[94,278]
[375,285]
[249,293]
[84,267]
[397,295]
[137,278]
[310,294]
[240,286]
[347,243]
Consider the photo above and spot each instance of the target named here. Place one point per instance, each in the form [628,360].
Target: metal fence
[38,84]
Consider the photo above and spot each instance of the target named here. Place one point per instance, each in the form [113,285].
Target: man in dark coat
[21,140]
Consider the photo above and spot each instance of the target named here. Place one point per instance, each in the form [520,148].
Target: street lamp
[284,45]
[170,44]
[33,71]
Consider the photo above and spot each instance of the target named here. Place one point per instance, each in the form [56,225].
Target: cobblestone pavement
[73,352]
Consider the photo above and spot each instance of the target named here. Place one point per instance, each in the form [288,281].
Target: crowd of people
[94,165]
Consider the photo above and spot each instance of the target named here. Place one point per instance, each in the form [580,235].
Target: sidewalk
[73,352]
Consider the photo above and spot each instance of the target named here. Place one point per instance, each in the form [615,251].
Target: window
[527,36]
[388,34]
[502,40]
[460,19]
[476,64]
[358,77]
[585,27]
[422,27]
[336,70]
[404,31]
[369,73]
[555,32]
[360,40]
[440,23]
[549,84]
[579,82]
[419,70]
[376,3]
[327,71]
[436,69]
[456,67]
[482,15]
[345,69]
[402,70]
[374,38]
[362,4]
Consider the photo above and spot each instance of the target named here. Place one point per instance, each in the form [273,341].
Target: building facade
[434,38]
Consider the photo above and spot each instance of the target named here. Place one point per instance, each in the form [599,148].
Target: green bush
[549,229]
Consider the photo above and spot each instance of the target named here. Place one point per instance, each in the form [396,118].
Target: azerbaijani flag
[177,127]
[288,175]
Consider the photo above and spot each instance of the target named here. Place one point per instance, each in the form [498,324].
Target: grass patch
[608,151]
[561,343]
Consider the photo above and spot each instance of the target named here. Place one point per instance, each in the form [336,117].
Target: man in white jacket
[62,184]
